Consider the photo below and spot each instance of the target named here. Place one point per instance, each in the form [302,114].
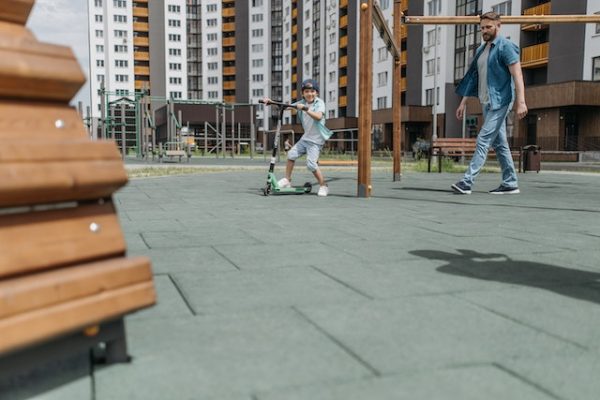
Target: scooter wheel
[307,187]
[266,190]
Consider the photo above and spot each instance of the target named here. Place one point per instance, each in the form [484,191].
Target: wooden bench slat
[45,323]
[16,11]
[39,76]
[33,183]
[35,121]
[57,150]
[46,239]
[30,292]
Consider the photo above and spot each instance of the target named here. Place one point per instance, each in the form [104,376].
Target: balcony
[229,12]
[344,21]
[141,41]
[403,32]
[140,26]
[404,5]
[294,29]
[343,101]
[229,41]
[403,84]
[344,41]
[141,70]
[542,9]
[343,62]
[229,71]
[230,56]
[139,85]
[535,56]
[140,12]
[229,85]
[343,3]
[229,27]
[343,81]
[141,56]
[403,58]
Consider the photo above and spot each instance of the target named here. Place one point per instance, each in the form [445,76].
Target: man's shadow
[575,283]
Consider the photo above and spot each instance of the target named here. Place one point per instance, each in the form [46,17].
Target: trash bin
[532,158]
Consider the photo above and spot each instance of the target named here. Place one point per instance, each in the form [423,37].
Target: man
[493,76]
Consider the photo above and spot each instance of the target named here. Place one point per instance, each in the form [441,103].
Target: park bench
[172,150]
[65,282]
[459,147]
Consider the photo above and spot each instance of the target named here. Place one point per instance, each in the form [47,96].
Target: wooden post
[505,19]
[397,95]
[365,98]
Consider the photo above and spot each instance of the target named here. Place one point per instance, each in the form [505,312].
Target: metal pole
[252,132]
[435,97]
[397,96]
[123,130]
[366,96]
[217,133]
[224,129]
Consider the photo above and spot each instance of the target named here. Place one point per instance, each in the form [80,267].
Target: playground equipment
[371,15]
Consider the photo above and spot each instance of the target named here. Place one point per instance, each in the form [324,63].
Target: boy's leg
[289,168]
[312,157]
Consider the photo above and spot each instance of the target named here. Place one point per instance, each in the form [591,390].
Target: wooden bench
[65,282]
[459,147]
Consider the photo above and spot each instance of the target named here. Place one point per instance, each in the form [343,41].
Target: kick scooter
[272,186]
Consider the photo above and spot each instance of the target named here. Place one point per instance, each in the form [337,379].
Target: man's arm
[517,74]
[460,111]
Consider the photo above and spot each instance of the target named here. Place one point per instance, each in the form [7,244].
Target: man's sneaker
[323,191]
[461,188]
[505,190]
[284,183]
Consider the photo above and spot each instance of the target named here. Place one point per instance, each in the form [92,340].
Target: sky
[64,22]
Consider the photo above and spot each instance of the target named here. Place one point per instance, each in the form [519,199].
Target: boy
[311,110]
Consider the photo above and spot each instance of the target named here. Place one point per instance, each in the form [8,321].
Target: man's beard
[489,37]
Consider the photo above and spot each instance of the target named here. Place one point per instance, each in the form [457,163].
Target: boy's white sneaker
[323,191]
[284,183]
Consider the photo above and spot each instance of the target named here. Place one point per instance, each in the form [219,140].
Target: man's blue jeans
[493,133]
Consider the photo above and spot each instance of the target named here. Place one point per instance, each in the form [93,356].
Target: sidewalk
[415,293]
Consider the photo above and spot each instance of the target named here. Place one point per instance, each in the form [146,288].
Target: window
[212,37]
[99,63]
[213,80]
[174,23]
[174,9]
[434,7]
[503,8]
[385,4]
[212,51]
[175,66]
[120,48]
[213,95]
[100,48]
[211,8]
[596,69]
[257,32]
[175,95]
[213,66]
[257,3]
[175,52]
[307,14]
[98,3]
[211,22]
[99,33]
[175,81]
[258,92]
[430,66]
[174,38]
[331,95]
[100,78]
[381,103]
[332,38]
[332,76]
[332,57]
[429,97]
[119,3]
[306,32]
[257,63]
[122,78]
[382,78]
[257,48]
[98,18]
[382,54]
[258,78]
[257,17]
[431,37]
[120,18]
[121,63]
[120,33]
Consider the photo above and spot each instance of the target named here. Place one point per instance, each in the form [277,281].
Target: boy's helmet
[310,84]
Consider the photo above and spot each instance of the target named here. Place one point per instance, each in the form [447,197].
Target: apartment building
[137,44]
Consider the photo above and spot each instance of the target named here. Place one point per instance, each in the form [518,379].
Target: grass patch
[152,172]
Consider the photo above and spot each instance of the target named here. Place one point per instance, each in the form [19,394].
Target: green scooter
[272,186]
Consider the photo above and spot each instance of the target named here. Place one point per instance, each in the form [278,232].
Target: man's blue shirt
[500,84]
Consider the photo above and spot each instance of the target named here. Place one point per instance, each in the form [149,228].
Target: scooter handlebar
[277,103]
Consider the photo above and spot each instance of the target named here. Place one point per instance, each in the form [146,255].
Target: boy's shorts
[312,151]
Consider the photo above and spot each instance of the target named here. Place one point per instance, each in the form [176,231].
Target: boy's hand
[302,107]
[266,100]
